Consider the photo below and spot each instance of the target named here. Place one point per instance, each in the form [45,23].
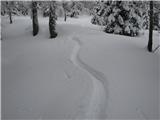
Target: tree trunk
[65,16]
[10,16]
[35,18]
[150,27]
[64,8]
[9,7]
[52,20]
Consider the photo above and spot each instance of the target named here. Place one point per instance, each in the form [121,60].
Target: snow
[132,75]
[98,98]
[84,73]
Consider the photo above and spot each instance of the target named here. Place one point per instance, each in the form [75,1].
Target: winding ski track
[96,108]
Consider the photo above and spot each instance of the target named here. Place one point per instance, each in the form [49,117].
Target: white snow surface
[84,73]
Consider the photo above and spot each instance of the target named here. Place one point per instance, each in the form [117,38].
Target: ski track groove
[98,101]
[97,108]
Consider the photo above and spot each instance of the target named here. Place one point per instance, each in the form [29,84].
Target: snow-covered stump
[52,20]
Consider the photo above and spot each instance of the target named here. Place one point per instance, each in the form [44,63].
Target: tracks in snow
[96,108]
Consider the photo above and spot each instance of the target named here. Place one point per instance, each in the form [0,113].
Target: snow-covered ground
[83,73]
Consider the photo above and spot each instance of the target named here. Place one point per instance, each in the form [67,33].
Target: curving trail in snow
[97,105]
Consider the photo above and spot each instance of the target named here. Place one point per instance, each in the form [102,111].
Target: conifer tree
[119,17]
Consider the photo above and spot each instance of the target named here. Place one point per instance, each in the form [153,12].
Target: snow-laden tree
[16,7]
[35,18]
[8,8]
[156,14]
[52,19]
[72,8]
[44,8]
[125,17]
[98,13]
[66,9]
[76,8]
[88,7]
[119,17]
[4,7]
[22,7]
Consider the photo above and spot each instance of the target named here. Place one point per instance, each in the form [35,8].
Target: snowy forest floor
[83,73]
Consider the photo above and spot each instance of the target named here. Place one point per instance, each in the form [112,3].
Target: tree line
[48,9]
[118,17]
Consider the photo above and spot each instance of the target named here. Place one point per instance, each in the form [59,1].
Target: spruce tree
[119,17]
[124,18]
[35,18]
[52,20]
[98,11]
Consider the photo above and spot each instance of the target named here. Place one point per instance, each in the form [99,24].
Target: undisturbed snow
[83,73]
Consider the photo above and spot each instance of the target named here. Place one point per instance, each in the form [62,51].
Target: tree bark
[10,16]
[52,20]
[65,16]
[9,7]
[35,19]
[150,41]
[64,8]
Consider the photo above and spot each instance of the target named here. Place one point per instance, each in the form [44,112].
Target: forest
[118,17]
[80,59]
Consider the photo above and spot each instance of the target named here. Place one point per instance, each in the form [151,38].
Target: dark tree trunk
[150,27]
[64,8]
[65,16]
[9,7]
[35,18]
[10,16]
[52,20]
